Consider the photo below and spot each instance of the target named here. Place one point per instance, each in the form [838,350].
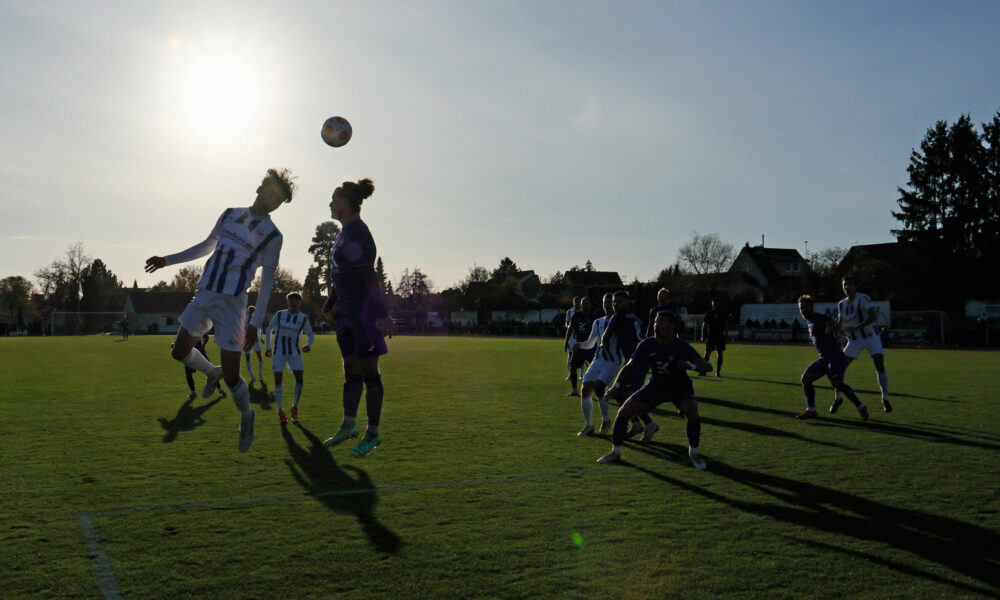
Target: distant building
[157,312]
[777,270]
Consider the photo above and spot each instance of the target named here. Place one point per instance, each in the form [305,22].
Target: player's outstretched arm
[155,262]
[308,329]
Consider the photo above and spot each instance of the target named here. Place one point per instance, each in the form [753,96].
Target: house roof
[593,278]
[763,258]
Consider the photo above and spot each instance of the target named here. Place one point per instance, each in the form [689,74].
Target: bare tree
[284,282]
[476,274]
[825,262]
[706,253]
[62,278]
[186,280]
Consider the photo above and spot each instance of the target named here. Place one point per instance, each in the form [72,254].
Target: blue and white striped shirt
[244,242]
[288,328]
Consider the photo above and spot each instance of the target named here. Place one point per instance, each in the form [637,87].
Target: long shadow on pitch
[797,384]
[935,433]
[321,477]
[963,548]
[260,396]
[188,417]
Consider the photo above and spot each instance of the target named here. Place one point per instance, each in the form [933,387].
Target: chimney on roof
[762,240]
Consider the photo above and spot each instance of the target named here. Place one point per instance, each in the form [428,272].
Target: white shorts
[601,370]
[225,311]
[294,362]
[872,343]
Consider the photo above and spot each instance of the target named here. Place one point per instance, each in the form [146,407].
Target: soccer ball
[336,131]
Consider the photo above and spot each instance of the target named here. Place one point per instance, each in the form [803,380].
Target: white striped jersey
[853,312]
[596,333]
[244,242]
[288,328]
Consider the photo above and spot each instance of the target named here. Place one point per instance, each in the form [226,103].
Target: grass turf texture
[481,487]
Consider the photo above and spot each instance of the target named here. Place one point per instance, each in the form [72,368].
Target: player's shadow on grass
[797,384]
[929,434]
[319,474]
[260,395]
[188,417]
[965,549]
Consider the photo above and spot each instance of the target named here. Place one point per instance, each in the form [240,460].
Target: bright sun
[219,96]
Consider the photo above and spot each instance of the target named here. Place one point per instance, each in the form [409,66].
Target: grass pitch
[481,489]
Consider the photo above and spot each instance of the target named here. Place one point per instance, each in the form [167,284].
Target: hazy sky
[550,132]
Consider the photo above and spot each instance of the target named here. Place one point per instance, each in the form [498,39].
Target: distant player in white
[857,317]
[242,240]
[288,327]
[601,372]
[256,348]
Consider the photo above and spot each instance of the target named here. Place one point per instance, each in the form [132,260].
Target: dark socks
[353,386]
[373,399]
[694,432]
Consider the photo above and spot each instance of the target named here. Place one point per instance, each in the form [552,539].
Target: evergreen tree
[507,267]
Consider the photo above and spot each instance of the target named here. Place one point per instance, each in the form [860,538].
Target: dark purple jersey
[626,333]
[825,342]
[581,323]
[667,363]
[356,292]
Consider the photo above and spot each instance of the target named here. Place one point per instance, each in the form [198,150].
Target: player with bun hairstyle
[357,307]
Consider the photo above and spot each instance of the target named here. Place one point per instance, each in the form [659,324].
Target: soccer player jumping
[242,240]
[830,363]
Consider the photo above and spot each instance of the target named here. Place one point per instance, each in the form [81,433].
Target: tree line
[949,216]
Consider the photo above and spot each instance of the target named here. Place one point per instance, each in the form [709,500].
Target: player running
[357,306]
[830,363]
[288,327]
[255,348]
[242,240]
[580,325]
[856,317]
[669,358]
[601,372]
[713,333]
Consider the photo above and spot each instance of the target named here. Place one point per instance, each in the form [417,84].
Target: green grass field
[481,488]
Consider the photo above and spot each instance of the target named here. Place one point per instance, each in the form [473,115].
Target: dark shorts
[832,367]
[715,344]
[359,339]
[577,358]
[652,395]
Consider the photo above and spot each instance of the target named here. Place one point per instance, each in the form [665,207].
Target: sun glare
[219,96]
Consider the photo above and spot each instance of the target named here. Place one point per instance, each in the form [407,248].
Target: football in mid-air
[336,131]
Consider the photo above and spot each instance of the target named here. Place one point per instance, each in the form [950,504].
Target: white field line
[109,585]
[99,558]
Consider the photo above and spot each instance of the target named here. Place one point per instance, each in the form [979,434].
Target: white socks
[883,382]
[298,394]
[241,396]
[197,361]
[250,369]
[260,369]
[587,404]
[602,402]
[277,396]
